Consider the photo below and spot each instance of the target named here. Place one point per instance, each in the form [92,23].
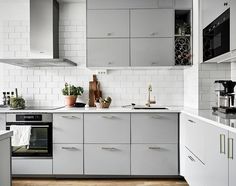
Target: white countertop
[5,134]
[204,115]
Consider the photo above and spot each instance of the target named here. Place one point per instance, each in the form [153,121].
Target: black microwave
[216,37]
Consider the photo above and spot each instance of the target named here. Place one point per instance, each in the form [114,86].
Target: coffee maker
[225,96]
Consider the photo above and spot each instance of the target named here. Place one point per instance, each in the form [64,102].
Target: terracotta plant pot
[70,100]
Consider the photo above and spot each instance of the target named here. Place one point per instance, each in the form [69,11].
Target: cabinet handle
[222,144]
[154,33]
[191,158]
[154,63]
[191,121]
[109,34]
[69,148]
[110,63]
[108,117]
[156,117]
[71,117]
[109,148]
[230,148]
[154,148]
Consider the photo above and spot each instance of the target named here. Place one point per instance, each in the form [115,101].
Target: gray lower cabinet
[152,52]
[107,159]
[108,52]
[68,159]
[107,128]
[5,162]
[2,121]
[154,159]
[154,128]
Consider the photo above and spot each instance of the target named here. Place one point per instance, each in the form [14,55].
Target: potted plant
[71,93]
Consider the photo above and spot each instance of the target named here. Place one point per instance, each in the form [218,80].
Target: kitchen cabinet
[211,9]
[154,128]
[107,52]
[232,158]
[216,156]
[107,159]
[154,159]
[152,52]
[149,23]
[107,128]
[68,159]
[5,159]
[2,122]
[233,25]
[183,4]
[107,23]
[67,128]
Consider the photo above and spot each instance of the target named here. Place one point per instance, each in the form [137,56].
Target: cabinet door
[232,158]
[107,128]
[182,142]
[5,159]
[108,52]
[211,9]
[149,23]
[154,128]
[104,159]
[216,156]
[68,128]
[154,159]
[108,23]
[233,25]
[165,3]
[2,122]
[68,159]
[183,4]
[152,52]
[121,4]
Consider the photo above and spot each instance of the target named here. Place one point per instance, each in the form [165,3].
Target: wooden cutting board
[94,91]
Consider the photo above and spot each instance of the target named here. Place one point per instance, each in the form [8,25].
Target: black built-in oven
[216,37]
[40,144]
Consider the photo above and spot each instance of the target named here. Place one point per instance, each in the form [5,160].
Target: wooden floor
[98,182]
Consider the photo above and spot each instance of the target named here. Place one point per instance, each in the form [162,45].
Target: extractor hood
[44,37]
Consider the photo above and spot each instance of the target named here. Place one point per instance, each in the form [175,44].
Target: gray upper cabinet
[152,52]
[233,25]
[183,4]
[107,23]
[152,23]
[107,52]
[121,4]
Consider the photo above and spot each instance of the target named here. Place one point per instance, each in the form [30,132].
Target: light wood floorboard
[98,182]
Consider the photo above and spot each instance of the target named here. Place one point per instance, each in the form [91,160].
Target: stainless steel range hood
[44,37]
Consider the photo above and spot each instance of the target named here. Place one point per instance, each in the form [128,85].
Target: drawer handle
[231,148]
[154,33]
[71,117]
[154,148]
[222,144]
[69,148]
[109,148]
[191,158]
[156,117]
[154,63]
[108,117]
[191,121]
[109,34]
[110,63]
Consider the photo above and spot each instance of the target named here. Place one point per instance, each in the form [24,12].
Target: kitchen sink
[150,108]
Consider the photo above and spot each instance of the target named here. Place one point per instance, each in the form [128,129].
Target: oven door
[40,141]
[216,37]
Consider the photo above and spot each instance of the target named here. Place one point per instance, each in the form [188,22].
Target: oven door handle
[34,126]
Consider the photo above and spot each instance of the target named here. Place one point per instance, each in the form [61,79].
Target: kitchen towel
[21,135]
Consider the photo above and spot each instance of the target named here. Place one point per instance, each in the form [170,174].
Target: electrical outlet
[101,72]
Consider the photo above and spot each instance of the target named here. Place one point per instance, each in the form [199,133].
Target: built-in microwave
[216,37]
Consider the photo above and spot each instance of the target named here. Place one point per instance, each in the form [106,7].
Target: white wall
[42,86]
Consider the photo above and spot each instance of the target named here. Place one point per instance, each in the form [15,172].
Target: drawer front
[121,4]
[31,166]
[154,128]
[68,128]
[194,141]
[107,128]
[68,159]
[108,52]
[108,23]
[2,122]
[104,159]
[154,159]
